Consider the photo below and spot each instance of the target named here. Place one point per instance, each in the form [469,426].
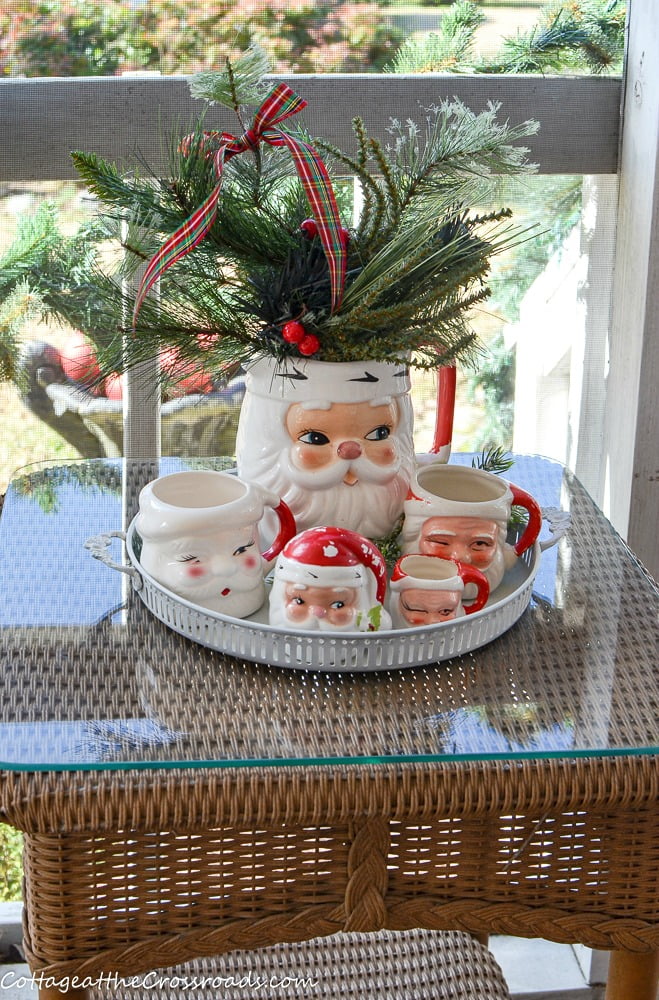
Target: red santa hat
[333,557]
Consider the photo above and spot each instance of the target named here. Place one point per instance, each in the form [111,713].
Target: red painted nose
[349,450]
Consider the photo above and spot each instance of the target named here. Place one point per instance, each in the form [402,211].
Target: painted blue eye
[314,437]
[380,433]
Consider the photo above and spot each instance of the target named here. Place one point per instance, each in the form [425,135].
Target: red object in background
[186,377]
[207,340]
[78,359]
[114,386]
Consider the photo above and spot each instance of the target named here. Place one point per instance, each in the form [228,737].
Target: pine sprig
[239,85]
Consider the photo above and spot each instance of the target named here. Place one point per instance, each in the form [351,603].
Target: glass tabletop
[91,679]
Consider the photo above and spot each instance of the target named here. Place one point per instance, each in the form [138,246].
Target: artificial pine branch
[241,84]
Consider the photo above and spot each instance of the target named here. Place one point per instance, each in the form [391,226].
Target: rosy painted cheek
[341,616]
[296,612]
[382,454]
[311,458]
[482,558]
[414,619]
[250,562]
[195,571]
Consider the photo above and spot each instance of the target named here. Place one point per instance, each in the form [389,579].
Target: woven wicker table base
[411,965]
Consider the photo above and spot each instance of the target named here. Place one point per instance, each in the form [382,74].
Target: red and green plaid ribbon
[281,103]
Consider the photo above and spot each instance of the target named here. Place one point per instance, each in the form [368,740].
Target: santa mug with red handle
[330,579]
[461,513]
[199,532]
[427,590]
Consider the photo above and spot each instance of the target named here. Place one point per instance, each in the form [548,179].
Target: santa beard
[370,507]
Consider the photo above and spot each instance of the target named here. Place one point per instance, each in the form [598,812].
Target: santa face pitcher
[334,440]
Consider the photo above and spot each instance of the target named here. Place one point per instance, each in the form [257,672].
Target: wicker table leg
[633,976]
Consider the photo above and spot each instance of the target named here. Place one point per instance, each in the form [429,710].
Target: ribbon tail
[178,245]
[320,195]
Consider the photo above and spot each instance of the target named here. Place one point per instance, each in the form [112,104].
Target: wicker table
[179,803]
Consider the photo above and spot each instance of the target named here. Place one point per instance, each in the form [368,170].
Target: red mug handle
[470,574]
[523,499]
[287,529]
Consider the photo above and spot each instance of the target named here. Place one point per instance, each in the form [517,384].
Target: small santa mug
[331,580]
[426,590]
[200,541]
[461,513]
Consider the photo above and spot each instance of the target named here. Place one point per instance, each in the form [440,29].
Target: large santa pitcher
[334,440]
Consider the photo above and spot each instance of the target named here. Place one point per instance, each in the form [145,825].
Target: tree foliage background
[106,37]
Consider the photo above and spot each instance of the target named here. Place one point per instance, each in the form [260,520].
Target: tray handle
[559,522]
[98,546]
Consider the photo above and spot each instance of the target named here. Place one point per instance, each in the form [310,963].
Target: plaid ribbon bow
[281,103]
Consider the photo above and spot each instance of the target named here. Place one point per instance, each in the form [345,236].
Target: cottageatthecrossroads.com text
[154,981]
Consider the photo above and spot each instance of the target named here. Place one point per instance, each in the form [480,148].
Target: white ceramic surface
[428,590]
[200,540]
[462,513]
[334,440]
[255,640]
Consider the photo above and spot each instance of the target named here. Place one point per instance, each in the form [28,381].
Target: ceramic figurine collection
[259,269]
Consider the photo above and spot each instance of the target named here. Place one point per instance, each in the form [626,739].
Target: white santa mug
[461,513]
[427,590]
[335,440]
[332,580]
[200,539]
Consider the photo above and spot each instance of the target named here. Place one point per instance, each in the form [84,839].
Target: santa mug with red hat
[461,513]
[330,579]
[426,590]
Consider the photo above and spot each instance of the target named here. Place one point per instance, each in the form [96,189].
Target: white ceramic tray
[253,639]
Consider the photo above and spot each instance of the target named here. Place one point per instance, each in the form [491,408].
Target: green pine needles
[569,36]
[419,248]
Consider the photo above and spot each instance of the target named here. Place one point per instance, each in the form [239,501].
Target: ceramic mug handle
[470,574]
[523,499]
[287,529]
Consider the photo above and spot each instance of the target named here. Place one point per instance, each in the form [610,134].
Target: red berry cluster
[310,229]
[294,332]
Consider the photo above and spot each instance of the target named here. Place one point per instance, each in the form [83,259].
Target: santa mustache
[334,473]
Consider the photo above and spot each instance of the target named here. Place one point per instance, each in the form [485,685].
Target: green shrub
[106,37]
[11,872]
